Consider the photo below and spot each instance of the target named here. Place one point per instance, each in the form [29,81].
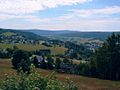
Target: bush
[34,81]
[21,60]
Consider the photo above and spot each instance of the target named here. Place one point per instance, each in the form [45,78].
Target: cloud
[80,19]
[112,24]
[101,12]
[19,7]
[81,25]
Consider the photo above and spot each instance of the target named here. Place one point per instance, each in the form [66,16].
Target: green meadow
[28,47]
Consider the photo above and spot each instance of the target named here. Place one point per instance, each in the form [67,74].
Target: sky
[78,15]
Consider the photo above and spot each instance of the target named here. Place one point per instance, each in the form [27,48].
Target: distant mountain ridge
[67,33]
[48,32]
[42,34]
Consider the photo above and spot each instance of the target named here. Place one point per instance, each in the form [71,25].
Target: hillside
[67,33]
[43,34]
[18,36]
[83,83]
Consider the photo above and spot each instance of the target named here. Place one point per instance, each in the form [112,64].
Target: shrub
[35,81]
[21,60]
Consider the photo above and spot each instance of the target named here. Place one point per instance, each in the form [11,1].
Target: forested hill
[43,34]
[66,33]
[27,35]
[10,36]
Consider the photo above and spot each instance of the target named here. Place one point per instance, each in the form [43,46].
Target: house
[39,58]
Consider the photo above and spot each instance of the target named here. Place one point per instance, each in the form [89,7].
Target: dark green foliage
[76,51]
[50,62]
[92,68]
[108,58]
[56,42]
[46,44]
[21,60]
[57,63]
[43,65]
[44,52]
[6,53]
[105,63]
[83,69]
[35,61]
[15,48]
[66,61]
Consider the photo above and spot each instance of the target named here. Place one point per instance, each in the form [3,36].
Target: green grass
[83,83]
[54,50]
[8,34]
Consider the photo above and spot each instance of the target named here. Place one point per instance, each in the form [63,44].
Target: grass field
[83,83]
[54,50]
[8,34]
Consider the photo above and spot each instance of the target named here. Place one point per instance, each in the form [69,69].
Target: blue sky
[80,15]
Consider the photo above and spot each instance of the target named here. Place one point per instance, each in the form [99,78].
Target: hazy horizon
[62,30]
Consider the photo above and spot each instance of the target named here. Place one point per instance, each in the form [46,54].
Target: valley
[68,54]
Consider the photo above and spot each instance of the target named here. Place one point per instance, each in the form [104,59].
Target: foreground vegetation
[83,83]
[35,81]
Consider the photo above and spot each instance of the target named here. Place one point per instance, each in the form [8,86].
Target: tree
[15,48]
[50,62]
[107,58]
[92,68]
[35,61]
[66,61]
[43,63]
[10,52]
[57,63]
[21,60]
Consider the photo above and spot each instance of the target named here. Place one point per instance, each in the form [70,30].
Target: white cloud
[82,19]
[25,17]
[97,12]
[31,6]
[83,13]
[80,25]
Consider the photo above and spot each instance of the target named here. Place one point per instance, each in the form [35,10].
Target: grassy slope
[54,50]
[8,34]
[84,83]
